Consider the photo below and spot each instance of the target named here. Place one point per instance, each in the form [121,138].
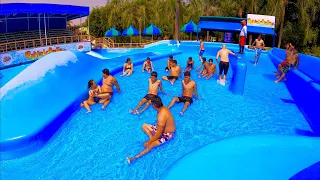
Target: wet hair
[157,102]
[175,61]
[128,60]
[171,56]
[154,74]
[187,73]
[106,71]
[148,58]
[190,58]
[90,83]
[204,59]
[211,60]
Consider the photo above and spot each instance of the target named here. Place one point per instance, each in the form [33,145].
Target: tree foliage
[300,26]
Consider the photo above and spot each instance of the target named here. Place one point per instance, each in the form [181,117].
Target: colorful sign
[27,55]
[261,20]
[227,37]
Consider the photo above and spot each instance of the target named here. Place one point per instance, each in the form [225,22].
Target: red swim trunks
[284,62]
[242,41]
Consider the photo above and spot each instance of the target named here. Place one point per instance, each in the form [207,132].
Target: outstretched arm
[254,42]
[152,66]
[230,52]
[217,57]
[143,65]
[115,82]
[199,67]
[161,122]
[161,88]
[195,90]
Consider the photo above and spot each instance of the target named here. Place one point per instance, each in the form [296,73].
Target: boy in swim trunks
[293,62]
[147,65]
[289,47]
[211,69]
[159,134]
[189,88]
[154,85]
[175,71]
[258,48]
[169,63]
[201,49]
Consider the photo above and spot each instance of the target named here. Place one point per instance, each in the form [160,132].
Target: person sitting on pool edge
[169,63]
[190,64]
[189,87]
[154,85]
[127,68]
[175,71]
[162,132]
[147,65]
[94,90]
[108,82]
[211,69]
[204,65]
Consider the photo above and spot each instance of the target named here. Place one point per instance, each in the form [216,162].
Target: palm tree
[177,19]
[284,5]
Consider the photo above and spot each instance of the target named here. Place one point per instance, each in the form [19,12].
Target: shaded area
[310,173]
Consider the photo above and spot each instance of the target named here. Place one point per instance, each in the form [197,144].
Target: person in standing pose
[243,36]
[201,50]
[259,45]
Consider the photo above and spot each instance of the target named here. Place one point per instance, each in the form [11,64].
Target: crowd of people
[165,126]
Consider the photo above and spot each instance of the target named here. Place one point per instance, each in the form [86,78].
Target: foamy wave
[97,55]
[38,69]
[118,50]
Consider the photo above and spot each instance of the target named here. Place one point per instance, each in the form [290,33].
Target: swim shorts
[149,97]
[164,137]
[172,77]
[242,40]
[185,99]
[258,51]
[201,52]
[284,62]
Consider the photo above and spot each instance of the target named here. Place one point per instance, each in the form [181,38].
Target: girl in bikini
[94,90]
[127,68]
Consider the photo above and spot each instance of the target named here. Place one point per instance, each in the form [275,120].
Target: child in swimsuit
[94,90]
[190,64]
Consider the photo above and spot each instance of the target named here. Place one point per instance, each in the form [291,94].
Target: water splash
[97,55]
[38,69]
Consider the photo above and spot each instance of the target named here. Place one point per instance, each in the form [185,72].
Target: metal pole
[6,22]
[89,28]
[45,27]
[39,28]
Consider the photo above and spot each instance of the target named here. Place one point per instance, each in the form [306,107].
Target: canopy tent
[230,24]
[28,15]
[190,27]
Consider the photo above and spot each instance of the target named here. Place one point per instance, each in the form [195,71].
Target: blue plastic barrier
[239,70]
[27,131]
[304,90]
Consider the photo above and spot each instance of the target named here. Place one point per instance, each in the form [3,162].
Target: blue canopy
[29,10]
[112,33]
[152,30]
[130,31]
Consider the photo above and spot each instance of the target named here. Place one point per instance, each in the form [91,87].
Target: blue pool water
[95,146]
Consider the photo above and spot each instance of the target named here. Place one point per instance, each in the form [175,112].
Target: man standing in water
[243,36]
[201,50]
[189,88]
[224,63]
[154,85]
[108,82]
[175,71]
[162,132]
[258,48]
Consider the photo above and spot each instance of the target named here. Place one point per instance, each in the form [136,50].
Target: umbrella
[152,30]
[130,31]
[112,32]
[190,28]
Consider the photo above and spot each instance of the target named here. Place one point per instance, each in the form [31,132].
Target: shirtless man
[289,47]
[154,85]
[175,71]
[204,65]
[258,48]
[293,62]
[169,63]
[224,63]
[189,88]
[108,82]
[211,69]
[147,65]
[159,134]
[201,49]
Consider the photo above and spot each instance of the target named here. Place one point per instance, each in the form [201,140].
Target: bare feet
[181,113]
[88,112]
[276,81]
[103,107]
[129,160]
[134,111]
[82,105]
[171,82]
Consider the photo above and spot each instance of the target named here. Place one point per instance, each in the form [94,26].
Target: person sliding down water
[224,63]
[154,85]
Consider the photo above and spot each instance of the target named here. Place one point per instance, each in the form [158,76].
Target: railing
[33,43]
